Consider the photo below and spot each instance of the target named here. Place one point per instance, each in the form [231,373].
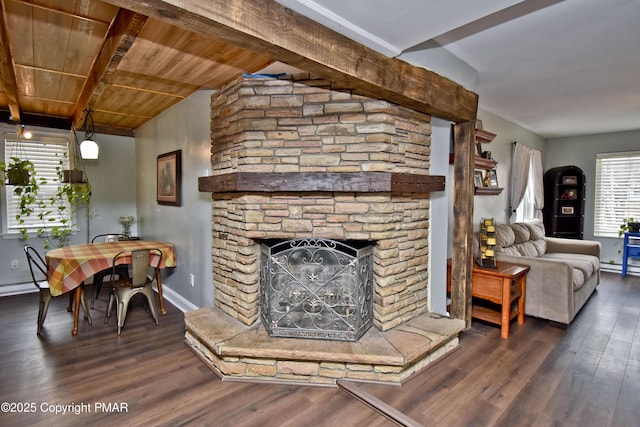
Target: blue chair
[630,249]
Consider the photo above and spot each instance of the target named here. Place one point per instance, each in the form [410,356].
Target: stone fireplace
[297,158]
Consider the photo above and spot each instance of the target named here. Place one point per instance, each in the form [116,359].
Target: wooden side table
[504,286]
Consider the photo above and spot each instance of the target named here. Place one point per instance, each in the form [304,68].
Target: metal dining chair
[122,270]
[143,273]
[35,260]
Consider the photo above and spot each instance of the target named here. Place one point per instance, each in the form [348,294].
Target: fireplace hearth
[316,288]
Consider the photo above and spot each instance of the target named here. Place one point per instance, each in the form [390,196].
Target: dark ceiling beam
[268,28]
[36,120]
[121,34]
[7,68]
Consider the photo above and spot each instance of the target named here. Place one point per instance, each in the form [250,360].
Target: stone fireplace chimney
[296,157]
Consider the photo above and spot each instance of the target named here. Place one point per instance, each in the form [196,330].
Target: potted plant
[73,176]
[628,224]
[18,172]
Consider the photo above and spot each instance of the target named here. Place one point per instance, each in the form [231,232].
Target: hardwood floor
[586,375]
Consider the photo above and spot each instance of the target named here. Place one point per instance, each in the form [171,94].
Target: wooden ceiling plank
[49,70]
[269,28]
[7,68]
[118,41]
[152,83]
[57,8]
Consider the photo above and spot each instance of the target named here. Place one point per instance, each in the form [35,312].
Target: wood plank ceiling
[60,56]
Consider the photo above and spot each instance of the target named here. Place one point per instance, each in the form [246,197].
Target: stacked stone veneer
[303,124]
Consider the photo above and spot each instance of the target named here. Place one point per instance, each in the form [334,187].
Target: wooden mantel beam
[268,28]
[349,182]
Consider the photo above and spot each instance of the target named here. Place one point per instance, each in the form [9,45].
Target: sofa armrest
[549,293]
[573,246]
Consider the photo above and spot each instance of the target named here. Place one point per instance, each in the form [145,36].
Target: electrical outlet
[15,264]
[191,280]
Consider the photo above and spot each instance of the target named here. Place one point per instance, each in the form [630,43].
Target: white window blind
[617,191]
[46,157]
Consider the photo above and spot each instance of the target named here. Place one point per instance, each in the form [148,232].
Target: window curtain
[526,173]
[519,176]
[538,185]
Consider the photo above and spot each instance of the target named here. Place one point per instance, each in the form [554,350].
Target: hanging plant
[18,172]
[73,176]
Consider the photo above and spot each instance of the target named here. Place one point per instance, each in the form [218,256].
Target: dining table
[69,266]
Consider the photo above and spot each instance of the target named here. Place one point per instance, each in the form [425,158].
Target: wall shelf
[484,136]
[488,191]
[482,163]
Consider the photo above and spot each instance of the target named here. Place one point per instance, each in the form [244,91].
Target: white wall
[186,127]
[581,151]
[111,176]
[439,218]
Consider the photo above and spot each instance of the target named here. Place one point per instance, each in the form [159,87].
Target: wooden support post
[462,247]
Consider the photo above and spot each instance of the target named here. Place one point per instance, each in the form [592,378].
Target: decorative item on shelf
[478,181]
[126,221]
[492,178]
[88,147]
[487,241]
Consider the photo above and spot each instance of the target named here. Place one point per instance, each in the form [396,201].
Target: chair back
[110,237]
[35,260]
[141,269]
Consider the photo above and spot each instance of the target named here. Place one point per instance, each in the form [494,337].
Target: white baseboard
[177,300]
[169,294]
[632,270]
[17,289]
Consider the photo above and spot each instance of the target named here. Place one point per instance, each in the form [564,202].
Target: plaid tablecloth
[69,266]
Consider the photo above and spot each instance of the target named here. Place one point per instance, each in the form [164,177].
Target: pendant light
[88,147]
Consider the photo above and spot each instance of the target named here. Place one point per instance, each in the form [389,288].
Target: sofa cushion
[505,236]
[583,266]
[521,239]
[521,232]
[536,229]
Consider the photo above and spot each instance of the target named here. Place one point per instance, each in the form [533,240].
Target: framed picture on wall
[169,178]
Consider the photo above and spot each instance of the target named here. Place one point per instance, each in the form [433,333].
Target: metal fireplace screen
[316,288]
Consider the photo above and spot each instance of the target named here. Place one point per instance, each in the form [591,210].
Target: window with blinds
[46,157]
[617,191]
